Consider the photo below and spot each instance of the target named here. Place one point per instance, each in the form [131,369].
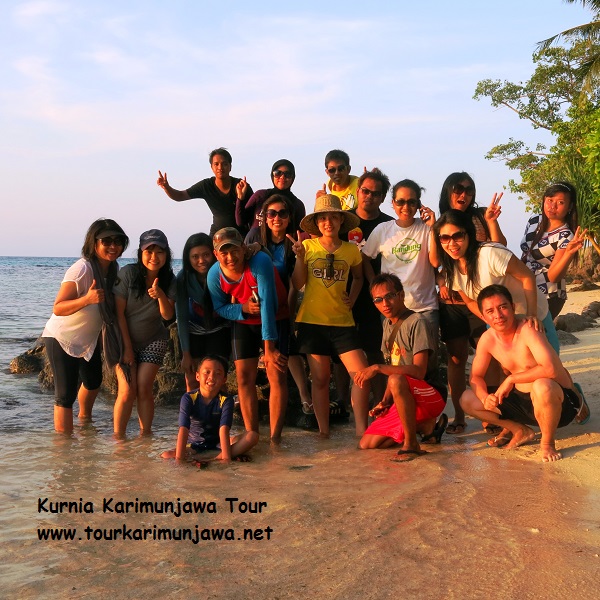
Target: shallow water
[464,521]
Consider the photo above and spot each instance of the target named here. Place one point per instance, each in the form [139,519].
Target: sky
[96,97]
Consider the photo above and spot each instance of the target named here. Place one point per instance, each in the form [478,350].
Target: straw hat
[328,203]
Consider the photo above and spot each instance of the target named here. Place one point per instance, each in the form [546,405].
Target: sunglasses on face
[271,213]
[334,170]
[457,236]
[386,298]
[367,192]
[459,189]
[280,173]
[409,203]
[112,241]
[329,272]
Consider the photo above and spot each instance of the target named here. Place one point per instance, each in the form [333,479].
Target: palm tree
[590,69]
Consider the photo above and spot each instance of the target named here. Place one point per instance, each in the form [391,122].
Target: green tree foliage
[551,100]
[589,71]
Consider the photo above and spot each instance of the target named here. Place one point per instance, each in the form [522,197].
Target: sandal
[307,407]
[456,428]
[579,418]
[492,429]
[499,441]
[435,437]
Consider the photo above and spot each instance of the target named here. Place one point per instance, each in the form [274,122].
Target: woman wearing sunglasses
[283,174]
[470,265]
[406,250]
[457,324]
[276,224]
[84,307]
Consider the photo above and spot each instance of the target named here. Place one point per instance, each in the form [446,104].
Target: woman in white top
[84,304]
[470,265]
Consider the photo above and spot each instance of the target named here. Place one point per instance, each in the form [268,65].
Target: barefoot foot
[550,453]
[521,437]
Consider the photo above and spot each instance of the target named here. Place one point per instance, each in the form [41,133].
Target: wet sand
[465,521]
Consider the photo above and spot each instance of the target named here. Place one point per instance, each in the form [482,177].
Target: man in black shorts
[538,389]
[221,192]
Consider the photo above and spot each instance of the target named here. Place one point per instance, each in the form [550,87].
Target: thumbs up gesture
[154,291]
[94,295]
[322,191]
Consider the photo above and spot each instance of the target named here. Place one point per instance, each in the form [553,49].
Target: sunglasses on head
[409,203]
[338,169]
[271,213]
[280,173]
[367,192]
[387,297]
[112,241]
[457,236]
[459,189]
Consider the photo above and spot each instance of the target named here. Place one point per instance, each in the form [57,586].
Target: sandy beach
[465,521]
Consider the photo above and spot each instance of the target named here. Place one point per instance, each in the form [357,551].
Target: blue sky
[97,96]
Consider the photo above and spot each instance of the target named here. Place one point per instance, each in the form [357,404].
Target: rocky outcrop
[572,322]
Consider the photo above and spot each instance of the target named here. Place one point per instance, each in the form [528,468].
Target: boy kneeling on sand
[206,414]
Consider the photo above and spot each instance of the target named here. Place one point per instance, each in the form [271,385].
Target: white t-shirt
[405,253]
[77,333]
[492,263]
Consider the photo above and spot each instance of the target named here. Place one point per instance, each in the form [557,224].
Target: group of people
[378,295]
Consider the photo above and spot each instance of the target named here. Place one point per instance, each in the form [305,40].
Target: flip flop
[499,441]
[492,429]
[435,437]
[456,428]
[408,455]
[583,403]
[307,408]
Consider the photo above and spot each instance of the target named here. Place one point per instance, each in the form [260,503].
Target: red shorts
[430,405]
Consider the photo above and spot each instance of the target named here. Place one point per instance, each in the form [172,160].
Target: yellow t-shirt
[323,298]
[348,196]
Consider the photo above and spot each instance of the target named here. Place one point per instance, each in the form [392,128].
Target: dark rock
[592,310]
[585,286]
[573,322]
[567,339]
[31,361]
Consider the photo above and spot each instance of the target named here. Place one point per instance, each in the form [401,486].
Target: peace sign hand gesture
[492,212]
[297,245]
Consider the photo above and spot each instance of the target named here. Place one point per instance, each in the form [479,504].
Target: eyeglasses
[457,236]
[329,271]
[280,173]
[386,298]
[459,189]
[409,203]
[284,213]
[338,169]
[367,192]
[112,241]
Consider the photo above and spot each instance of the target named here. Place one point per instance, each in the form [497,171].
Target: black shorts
[517,407]
[457,321]
[207,444]
[68,370]
[216,342]
[326,340]
[247,342]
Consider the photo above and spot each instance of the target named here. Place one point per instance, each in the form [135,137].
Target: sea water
[88,516]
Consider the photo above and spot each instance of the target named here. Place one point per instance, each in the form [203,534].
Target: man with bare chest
[538,390]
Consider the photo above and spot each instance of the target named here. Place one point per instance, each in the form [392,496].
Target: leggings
[68,370]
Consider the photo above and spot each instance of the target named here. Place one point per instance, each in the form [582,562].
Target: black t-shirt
[364,310]
[222,206]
